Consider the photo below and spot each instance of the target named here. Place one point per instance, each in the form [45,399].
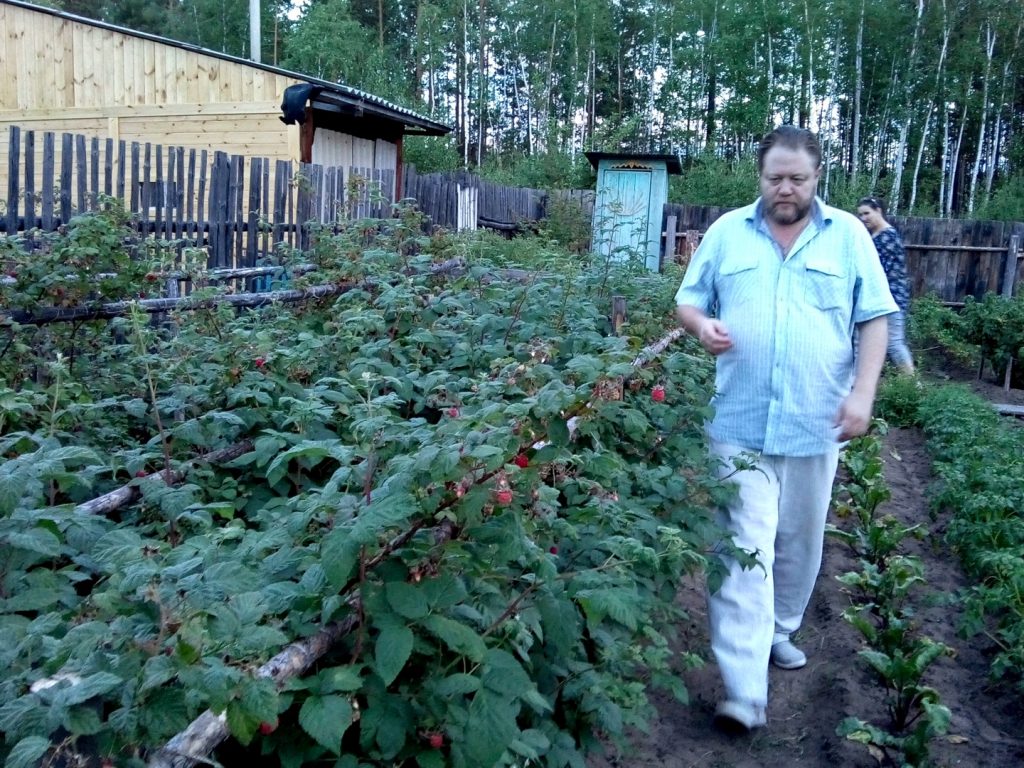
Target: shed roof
[329,93]
[671,161]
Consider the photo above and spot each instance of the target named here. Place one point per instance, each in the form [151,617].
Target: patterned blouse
[894,262]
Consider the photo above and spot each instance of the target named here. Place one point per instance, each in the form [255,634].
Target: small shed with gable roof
[632,190]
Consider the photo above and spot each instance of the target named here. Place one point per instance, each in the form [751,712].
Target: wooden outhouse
[632,190]
[68,74]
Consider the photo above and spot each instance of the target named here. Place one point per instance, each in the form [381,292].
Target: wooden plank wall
[237,207]
[75,77]
[65,64]
[951,258]
[499,207]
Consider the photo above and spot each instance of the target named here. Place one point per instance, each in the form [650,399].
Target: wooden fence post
[13,160]
[669,254]
[618,313]
[1009,277]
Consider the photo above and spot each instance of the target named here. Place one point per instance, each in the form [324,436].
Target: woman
[871,211]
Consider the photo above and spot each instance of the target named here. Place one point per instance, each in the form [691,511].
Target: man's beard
[789,212]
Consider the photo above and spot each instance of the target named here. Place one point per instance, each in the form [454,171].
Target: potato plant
[461,468]
[977,456]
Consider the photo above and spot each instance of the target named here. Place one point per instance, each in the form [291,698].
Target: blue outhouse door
[623,213]
[631,194]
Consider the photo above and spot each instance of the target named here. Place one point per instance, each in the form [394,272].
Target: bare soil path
[806,705]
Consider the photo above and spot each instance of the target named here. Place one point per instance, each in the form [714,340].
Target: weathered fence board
[237,207]
[241,208]
[951,258]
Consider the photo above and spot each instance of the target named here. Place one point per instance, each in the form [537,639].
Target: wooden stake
[618,314]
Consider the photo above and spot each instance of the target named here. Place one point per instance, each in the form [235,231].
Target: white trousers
[780,513]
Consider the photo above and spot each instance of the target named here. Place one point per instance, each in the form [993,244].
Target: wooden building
[68,74]
[632,190]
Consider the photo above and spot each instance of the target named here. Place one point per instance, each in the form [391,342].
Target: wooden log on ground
[119,308]
[126,494]
[1006,409]
[207,731]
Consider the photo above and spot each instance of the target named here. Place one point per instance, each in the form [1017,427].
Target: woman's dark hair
[873,202]
[790,137]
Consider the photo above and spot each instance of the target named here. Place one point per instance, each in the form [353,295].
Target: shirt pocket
[738,278]
[826,287]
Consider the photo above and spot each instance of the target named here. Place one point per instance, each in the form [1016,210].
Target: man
[775,291]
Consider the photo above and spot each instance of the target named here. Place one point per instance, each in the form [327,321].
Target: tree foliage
[919,100]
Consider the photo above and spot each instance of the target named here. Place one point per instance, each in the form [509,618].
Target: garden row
[883,612]
[460,507]
[978,457]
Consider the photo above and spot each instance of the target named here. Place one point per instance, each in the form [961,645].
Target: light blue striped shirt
[791,321]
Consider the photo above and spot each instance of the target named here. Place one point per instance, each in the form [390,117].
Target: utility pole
[254,30]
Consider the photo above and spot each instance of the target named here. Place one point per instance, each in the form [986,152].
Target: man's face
[788,181]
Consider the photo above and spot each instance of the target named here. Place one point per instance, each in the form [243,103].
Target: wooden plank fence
[507,209]
[951,258]
[241,208]
[237,207]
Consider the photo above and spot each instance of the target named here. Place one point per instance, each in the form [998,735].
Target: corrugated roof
[352,95]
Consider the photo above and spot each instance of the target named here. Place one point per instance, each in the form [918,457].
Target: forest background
[918,101]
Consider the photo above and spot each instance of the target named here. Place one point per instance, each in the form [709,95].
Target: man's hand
[854,416]
[714,336]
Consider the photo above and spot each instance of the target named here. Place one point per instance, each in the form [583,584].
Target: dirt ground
[806,705]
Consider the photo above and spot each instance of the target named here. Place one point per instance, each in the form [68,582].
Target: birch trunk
[464,89]
[997,135]
[945,160]
[771,67]
[937,95]
[858,93]
[652,63]
[879,135]
[920,154]
[809,108]
[901,153]
[481,85]
[551,83]
[990,46]
[955,159]
[907,105]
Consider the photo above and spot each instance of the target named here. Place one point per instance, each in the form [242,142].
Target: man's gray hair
[790,137]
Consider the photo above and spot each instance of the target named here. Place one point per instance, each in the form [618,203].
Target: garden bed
[807,705]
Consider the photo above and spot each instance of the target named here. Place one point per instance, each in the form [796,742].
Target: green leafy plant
[451,467]
[996,326]
[873,537]
[935,330]
[882,612]
[977,457]
[898,399]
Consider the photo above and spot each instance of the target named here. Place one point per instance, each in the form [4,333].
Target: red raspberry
[436,740]
[521,461]
[268,728]
[260,362]
[504,497]
[658,394]
[553,550]
[453,412]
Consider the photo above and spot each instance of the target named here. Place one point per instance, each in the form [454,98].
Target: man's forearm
[691,318]
[874,339]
